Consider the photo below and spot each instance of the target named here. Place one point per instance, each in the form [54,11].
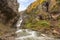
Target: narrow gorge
[40,20]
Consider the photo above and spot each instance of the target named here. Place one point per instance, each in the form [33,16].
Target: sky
[23,4]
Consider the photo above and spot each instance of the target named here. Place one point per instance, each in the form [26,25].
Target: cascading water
[26,34]
[19,23]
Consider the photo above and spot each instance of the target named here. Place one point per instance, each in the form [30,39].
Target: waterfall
[19,22]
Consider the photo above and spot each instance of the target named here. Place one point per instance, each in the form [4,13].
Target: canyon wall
[8,11]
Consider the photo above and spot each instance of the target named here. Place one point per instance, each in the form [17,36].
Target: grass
[37,24]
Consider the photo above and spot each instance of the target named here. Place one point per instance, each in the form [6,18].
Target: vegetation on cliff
[43,14]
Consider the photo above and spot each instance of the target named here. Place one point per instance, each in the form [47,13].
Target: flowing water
[27,34]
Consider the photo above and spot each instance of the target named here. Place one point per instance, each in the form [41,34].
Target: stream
[26,34]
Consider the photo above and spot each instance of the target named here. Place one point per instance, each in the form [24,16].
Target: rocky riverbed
[26,34]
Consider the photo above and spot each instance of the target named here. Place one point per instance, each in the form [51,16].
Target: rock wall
[43,14]
[8,18]
[8,11]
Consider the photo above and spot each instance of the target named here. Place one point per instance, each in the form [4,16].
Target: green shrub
[38,24]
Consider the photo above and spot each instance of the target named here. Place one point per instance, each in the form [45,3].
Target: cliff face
[8,17]
[43,14]
[8,11]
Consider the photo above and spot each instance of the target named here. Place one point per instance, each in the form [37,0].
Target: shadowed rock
[8,11]
[8,17]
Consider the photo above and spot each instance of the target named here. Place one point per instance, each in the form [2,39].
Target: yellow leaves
[40,1]
[34,5]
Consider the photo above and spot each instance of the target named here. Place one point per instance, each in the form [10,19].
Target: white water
[26,34]
[19,23]
[20,20]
